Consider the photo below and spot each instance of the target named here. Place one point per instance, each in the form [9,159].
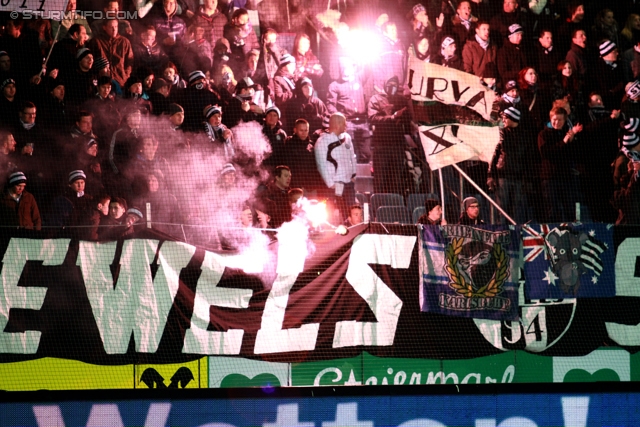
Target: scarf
[465,22]
[493,87]
[510,99]
[75,130]
[546,51]
[80,194]
[27,126]
[611,64]
[244,31]
[483,44]
[215,134]
[598,112]
[289,82]
[422,57]
[16,198]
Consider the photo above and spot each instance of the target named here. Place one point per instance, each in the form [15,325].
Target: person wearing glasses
[470,212]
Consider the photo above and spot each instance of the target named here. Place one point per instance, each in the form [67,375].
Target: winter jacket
[346,98]
[118,52]
[335,159]
[511,156]
[511,59]
[213,25]
[475,58]
[23,213]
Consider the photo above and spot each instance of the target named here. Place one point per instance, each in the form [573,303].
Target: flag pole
[43,70]
[441,193]
[472,182]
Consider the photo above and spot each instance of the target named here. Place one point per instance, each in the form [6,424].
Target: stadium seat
[385,199]
[364,184]
[417,212]
[362,198]
[418,199]
[393,214]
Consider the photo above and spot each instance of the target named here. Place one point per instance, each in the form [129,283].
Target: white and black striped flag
[590,257]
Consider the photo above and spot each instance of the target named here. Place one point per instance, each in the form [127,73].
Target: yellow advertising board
[62,374]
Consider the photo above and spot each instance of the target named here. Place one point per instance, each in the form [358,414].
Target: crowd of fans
[114,126]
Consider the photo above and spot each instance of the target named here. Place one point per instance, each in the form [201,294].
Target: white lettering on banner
[624,334]
[431,82]
[138,303]
[198,340]
[575,411]
[416,377]
[347,416]
[627,285]
[19,251]
[400,378]
[105,415]
[474,375]
[508,375]
[271,338]
[48,415]
[59,15]
[431,379]
[422,422]
[287,416]
[532,326]
[33,5]
[158,415]
[338,372]
[352,379]
[391,250]
[101,415]
[509,422]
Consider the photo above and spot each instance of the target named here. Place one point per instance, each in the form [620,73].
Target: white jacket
[336,161]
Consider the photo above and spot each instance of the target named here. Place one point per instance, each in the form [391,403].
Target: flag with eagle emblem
[470,271]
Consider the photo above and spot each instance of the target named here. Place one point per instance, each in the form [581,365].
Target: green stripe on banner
[604,364]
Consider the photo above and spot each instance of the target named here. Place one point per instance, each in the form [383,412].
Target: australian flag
[470,271]
[568,261]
